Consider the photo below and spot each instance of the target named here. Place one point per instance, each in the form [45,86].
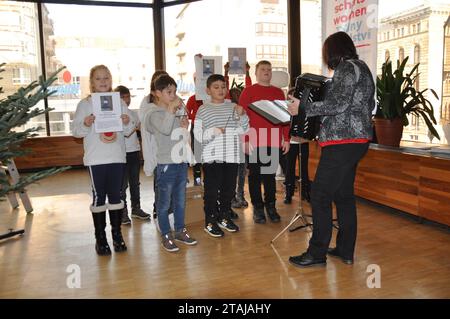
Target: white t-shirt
[132,141]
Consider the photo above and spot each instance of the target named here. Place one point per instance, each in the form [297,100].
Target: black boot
[258,215]
[272,212]
[306,191]
[115,217]
[101,245]
[289,193]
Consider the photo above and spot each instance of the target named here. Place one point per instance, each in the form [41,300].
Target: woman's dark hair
[336,48]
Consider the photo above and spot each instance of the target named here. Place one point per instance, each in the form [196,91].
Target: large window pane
[311,33]
[19,49]
[210,27]
[415,29]
[120,38]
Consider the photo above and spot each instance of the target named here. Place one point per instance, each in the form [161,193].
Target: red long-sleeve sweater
[192,106]
[255,93]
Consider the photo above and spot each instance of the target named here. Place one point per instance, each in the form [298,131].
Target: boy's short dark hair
[262,62]
[214,78]
[163,81]
[338,47]
[123,90]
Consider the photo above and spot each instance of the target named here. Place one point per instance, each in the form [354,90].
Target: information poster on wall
[237,57]
[359,19]
[204,67]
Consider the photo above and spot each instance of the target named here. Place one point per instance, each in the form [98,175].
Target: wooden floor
[414,258]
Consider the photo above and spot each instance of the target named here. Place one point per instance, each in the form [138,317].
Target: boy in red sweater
[264,144]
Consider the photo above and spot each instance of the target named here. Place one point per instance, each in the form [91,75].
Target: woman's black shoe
[335,253]
[307,260]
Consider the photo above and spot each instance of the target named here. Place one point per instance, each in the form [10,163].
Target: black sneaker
[272,213]
[258,215]
[139,213]
[229,225]
[239,202]
[125,219]
[233,214]
[213,230]
[235,203]
[197,181]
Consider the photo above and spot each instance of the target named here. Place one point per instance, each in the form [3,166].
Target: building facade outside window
[73,38]
[210,27]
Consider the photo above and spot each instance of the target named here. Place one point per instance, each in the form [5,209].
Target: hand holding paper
[184,122]
[88,120]
[125,119]
[239,110]
[218,131]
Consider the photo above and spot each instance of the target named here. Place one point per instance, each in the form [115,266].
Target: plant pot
[389,132]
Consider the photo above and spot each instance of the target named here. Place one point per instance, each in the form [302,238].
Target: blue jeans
[171,182]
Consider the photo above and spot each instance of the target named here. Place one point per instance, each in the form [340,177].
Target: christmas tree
[15,111]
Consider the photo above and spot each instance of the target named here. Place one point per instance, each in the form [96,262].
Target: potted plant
[396,98]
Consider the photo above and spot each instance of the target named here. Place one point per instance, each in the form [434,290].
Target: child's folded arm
[162,122]
[243,124]
[129,128]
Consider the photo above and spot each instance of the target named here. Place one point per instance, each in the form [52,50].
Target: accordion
[313,87]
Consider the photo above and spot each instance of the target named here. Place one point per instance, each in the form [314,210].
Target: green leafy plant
[239,86]
[16,110]
[397,96]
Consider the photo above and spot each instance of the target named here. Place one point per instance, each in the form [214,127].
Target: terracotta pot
[389,132]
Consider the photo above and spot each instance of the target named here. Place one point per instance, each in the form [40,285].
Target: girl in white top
[105,157]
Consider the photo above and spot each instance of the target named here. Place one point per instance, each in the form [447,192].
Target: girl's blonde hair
[91,76]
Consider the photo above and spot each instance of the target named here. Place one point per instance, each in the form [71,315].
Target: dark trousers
[262,165]
[242,171]
[334,181]
[106,181]
[219,186]
[131,177]
[196,149]
[296,151]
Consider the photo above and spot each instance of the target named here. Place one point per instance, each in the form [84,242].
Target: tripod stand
[299,215]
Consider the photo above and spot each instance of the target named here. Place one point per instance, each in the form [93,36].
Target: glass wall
[77,37]
[120,38]
[210,27]
[407,28]
[415,29]
[19,49]
[311,32]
